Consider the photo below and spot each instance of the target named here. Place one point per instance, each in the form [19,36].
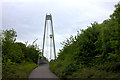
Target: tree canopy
[17,51]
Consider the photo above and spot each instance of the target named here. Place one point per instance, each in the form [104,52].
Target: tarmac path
[42,71]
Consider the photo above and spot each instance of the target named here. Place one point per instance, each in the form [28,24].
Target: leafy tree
[9,35]
[11,50]
[116,18]
[24,50]
[34,51]
[15,53]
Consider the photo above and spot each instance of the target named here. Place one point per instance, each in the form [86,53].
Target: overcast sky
[27,17]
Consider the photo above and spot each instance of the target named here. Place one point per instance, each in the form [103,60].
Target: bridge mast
[52,41]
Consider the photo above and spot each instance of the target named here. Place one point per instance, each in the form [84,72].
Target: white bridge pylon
[48,38]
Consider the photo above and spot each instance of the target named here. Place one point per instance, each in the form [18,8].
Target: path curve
[42,71]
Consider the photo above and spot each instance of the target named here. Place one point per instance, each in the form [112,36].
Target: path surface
[42,71]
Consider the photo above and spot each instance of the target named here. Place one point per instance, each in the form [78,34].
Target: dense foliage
[17,51]
[15,54]
[97,47]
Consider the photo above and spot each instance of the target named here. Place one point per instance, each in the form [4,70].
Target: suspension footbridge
[42,71]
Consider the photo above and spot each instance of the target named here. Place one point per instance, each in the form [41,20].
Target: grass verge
[106,70]
[17,70]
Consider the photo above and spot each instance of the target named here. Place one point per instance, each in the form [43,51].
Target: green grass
[106,70]
[93,73]
[18,70]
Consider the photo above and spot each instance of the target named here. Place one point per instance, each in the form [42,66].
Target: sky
[27,17]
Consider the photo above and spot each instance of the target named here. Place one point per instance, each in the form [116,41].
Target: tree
[116,18]
[9,35]
[10,49]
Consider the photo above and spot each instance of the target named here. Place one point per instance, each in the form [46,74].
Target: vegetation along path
[42,71]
